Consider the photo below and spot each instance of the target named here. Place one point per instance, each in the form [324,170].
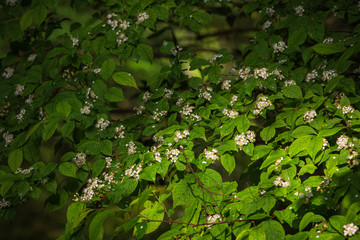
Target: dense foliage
[289,103]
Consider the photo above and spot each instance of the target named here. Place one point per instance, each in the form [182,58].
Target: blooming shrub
[289,105]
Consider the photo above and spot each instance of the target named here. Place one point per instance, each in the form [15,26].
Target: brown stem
[163,206]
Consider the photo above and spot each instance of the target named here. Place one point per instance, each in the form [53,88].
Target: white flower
[309,116]
[4,203]
[234,98]
[8,137]
[242,140]
[270,11]
[211,154]
[8,72]
[179,102]
[139,109]
[31,57]
[142,17]
[20,116]
[80,159]
[226,85]
[261,103]
[267,24]
[132,172]
[311,76]
[112,21]
[11,2]
[342,142]
[347,109]
[124,24]
[97,70]
[328,75]
[131,148]
[172,154]
[299,10]
[289,83]
[120,132]
[86,109]
[121,39]
[19,90]
[216,56]
[102,124]
[29,100]
[168,93]
[146,96]
[279,47]
[328,40]
[350,229]
[74,40]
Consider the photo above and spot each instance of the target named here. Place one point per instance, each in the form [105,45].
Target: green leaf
[96,230]
[257,233]
[297,37]
[202,17]
[326,48]
[39,14]
[97,166]
[154,211]
[197,63]
[49,130]
[338,222]
[308,168]
[26,20]
[302,130]
[267,133]
[115,94]
[310,217]
[329,132]
[299,145]
[182,193]
[106,147]
[124,78]
[260,151]
[107,69]
[242,123]
[269,203]
[123,189]
[68,169]
[67,129]
[90,147]
[140,230]
[197,132]
[292,91]
[15,159]
[228,162]
[273,230]
[316,31]
[145,51]
[316,145]
[64,107]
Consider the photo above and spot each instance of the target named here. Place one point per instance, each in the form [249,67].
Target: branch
[163,206]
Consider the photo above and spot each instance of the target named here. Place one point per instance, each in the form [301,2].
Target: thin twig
[163,206]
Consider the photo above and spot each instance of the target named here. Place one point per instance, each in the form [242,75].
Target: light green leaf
[64,107]
[267,133]
[292,91]
[260,151]
[299,145]
[242,123]
[197,132]
[329,132]
[107,69]
[49,130]
[308,168]
[67,129]
[124,78]
[310,217]
[96,230]
[302,130]
[154,211]
[106,147]
[273,230]
[68,169]
[228,162]
[15,159]
[145,51]
[115,94]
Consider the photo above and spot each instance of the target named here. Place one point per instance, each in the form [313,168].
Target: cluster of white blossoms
[20,115]
[278,162]
[308,193]
[289,82]
[108,162]
[142,17]
[328,75]
[179,102]
[242,139]
[19,90]
[4,109]
[91,95]
[42,114]
[86,109]
[121,38]
[180,135]
[350,229]
[309,116]
[158,114]
[139,109]
[212,219]
[88,193]
[146,96]
[278,182]
[187,112]
[279,47]
[109,178]
[11,3]
[325,143]
[172,154]
[211,154]
[4,203]
[261,103]
[261,72]
[24,171]
[245,73]
[131,148]
[278,73]
[97,70]
[299,11]
[266,25]
[234,98]
[112,20]
[270,11]
[124,24]
[134,171]
[343,142]
[347,109]
[216,56]
[230,113]
[352,155]
[75,41]
[157,154]
[175,50]
[102,124]
[205,93]
[168,93]
[311,76]
[8,72]
[328,40]
[31,57]
[120,132]
[68,75]
[226,85]
[29,99]
[324,183]
[8,137]
[80,159]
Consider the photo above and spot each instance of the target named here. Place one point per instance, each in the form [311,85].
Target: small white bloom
[31,57]
[350,229]
[299,11]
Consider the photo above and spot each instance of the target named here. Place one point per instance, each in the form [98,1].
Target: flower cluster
[8,137]
[142,17]
[146,96]
[347,109]
[261,103]
[68,75]
[121,38]
[299,11]
[168,93]
[242,139]
[205,94]
[29,99]
[187,112]
[158,114]
[266,25]
[261,72]
[179,102]
[8,72]
[112,20]
[278,182]
[86,109]
[279,47]
[80,159]
[328,75]
[308,193]
[343,142]
[172,154]
[226,85]
[139,109]
[120,132]
[20,116]
[230,113]
[102,124]
[75,41]
[4,203]
[234,98]
[212,219]
[131,148]
[216,56]
[24,171]
[270,11]
[134,171]
[88,193]
[311,76]
[309,116]
[324,184]
[180,135]
[176,50]
[97,70]
[278,162]
[289,82]
[31,57]
[211,154]
[328,40]
[350,229]
[124,24]
[19,90]
[325,143]
[108,162]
